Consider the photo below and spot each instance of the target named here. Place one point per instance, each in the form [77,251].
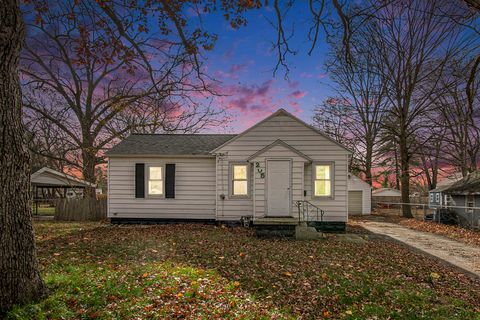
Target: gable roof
[381,190]
[352,177]
[62,179]
[468,185]
[168,144]
[279,142]
[284,113]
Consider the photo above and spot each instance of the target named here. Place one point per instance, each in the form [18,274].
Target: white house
[359,196]
[279,168]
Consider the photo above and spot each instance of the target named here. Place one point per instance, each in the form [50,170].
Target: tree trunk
[89,161]
[20,280]
[405,177]
[368,164]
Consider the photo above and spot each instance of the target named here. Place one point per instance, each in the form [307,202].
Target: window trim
[332,179]
[437,197]
[147,180]
[230,180]
[467,202]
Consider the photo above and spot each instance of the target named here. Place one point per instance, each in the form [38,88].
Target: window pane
[322,188]
[323,172]
[155,173]
[240,188]
[239,172]
[155,187]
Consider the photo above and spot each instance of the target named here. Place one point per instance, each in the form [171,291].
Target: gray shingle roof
[468,185]
[169,144]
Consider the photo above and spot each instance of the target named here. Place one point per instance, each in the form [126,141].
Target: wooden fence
[85,209]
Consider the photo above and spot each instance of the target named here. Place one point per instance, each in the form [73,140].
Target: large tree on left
[20,279]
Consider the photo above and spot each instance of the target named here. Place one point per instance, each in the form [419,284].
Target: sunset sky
[243,61]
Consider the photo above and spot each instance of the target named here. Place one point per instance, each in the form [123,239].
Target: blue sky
[243,61]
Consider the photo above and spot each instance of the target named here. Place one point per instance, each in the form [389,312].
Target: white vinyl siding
[194,189]
[304,139]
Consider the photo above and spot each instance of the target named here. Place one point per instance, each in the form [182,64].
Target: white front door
[278,188]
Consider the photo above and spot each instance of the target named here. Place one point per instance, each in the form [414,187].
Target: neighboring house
[437,197]
[465,194]
[359,196]
[260,174]
[46,181]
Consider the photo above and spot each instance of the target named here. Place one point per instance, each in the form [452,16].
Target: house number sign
[260,170]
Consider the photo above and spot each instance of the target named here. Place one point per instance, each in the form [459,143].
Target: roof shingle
[169,144]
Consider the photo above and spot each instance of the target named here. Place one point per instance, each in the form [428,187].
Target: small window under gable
[322,180]
[239,173]
[155,181]
[437,197]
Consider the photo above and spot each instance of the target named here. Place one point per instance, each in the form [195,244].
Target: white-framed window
[155,181]
[322,180]
[437,197]
[431,197]
[239,182]
[470,203]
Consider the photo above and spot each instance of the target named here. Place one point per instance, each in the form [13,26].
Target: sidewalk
[457,253]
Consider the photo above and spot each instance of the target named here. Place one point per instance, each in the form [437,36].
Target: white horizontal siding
[194,190]
[300,137]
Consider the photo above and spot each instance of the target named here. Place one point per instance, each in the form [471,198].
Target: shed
[359,196]
[44,178]
[389,195]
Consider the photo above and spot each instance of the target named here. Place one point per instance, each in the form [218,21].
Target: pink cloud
[234,71]
[297,94]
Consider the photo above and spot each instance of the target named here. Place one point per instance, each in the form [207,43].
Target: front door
[278,188]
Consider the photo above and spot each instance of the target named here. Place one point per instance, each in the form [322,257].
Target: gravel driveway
[457,253]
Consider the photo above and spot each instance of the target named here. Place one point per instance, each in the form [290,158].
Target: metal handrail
[303,210]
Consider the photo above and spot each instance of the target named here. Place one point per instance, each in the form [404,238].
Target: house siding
[303,139]
[194,190]
[467,218]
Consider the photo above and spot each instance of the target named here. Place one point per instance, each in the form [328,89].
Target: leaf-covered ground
[204,272]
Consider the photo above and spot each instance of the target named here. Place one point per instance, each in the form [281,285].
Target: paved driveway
[457,253]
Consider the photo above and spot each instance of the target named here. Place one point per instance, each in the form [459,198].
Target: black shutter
[170,180]
[139,180]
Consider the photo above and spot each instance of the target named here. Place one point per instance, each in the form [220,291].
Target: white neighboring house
[261,174]
[359,196]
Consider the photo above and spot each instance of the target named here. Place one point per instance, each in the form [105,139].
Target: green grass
[97,271]
[43,210]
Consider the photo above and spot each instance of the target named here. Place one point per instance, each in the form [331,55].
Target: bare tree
[458,113]
[361,93]
[86,67]
[413,44]
[20,279]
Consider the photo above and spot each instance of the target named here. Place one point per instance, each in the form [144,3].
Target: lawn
[43,210]
[98,271]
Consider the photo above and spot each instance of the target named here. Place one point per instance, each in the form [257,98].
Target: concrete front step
[303,232]
[276,221]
